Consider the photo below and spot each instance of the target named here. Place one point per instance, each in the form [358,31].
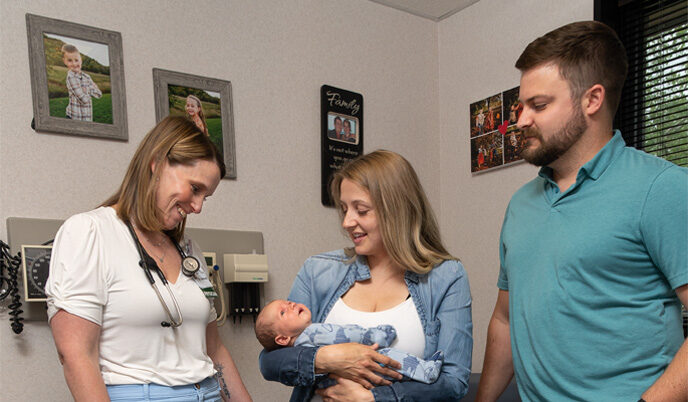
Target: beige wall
[277,55]
[478,48]
[417,78]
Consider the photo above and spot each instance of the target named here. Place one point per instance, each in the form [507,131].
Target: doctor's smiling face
[183,188]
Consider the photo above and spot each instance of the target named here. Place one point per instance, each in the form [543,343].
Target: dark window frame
[635,22]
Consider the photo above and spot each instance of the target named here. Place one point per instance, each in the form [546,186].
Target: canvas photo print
[200,106]
[78,79]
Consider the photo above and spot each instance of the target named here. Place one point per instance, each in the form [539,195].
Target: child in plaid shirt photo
[80,86]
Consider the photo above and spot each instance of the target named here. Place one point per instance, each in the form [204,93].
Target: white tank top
[403,317]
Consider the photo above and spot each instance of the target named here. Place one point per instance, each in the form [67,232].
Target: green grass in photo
[102,108]
[215,132]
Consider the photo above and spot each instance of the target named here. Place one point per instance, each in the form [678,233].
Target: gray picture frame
[43,122]
[161,81]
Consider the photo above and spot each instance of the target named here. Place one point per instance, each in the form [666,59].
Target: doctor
[115,336]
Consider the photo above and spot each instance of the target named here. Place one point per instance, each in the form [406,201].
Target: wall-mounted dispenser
[243,274]
[246,268]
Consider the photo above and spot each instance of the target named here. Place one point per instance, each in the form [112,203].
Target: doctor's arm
[227,373]
[673,384]
[79,355]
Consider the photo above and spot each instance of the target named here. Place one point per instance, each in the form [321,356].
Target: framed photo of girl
[77,79]
[205,101]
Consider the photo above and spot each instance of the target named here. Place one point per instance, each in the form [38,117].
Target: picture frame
[495,139]
[85,98]
[341,134]
[213,97]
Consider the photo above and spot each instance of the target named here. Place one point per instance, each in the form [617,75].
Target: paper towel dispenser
[245,268]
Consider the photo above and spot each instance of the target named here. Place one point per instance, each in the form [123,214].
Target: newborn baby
[283,323]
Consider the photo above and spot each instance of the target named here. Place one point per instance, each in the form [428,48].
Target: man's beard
[558,143]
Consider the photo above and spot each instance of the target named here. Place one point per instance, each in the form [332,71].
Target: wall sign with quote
[342,132]
[496,141]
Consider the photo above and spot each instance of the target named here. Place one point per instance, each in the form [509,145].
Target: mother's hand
[345,391]
[356,362]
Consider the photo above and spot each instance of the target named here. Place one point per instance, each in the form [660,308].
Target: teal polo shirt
[591,274]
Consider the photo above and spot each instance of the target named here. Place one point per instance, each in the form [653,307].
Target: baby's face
[288,318]
[72,61]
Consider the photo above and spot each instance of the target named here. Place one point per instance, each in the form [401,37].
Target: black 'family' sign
[342,132]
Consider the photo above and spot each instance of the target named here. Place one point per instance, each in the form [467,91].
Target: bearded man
[593,252]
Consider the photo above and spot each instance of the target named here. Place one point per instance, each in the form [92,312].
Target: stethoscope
[190,265]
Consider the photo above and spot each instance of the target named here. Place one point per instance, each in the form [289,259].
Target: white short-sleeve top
[95,274]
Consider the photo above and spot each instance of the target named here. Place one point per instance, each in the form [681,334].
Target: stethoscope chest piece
[190,265]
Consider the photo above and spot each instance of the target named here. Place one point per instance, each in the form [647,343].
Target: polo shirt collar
[598,164]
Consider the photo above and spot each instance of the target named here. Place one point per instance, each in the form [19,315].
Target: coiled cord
[9,285]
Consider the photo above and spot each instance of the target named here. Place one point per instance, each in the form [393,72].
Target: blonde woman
[194,111]
[145,329]
[397,272]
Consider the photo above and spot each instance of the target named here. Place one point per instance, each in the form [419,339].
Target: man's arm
[498,367]
[673,384]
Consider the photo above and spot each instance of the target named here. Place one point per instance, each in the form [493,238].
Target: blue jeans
[206,390]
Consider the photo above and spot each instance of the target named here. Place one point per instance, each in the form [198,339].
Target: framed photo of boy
[77,79]
[205,101]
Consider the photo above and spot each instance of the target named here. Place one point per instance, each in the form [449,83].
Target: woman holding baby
[397,273]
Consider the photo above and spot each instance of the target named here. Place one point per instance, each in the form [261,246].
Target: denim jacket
[443,301]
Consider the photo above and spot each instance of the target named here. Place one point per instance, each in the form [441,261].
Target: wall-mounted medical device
[243,274]
[32,268]
[35,267]
[246,268]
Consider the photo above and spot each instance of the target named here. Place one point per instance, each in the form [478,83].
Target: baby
[80,86]
[283,323]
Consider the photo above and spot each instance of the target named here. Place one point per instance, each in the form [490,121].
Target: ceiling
[435,10]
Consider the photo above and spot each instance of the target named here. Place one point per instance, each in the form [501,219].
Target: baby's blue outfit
[412,367]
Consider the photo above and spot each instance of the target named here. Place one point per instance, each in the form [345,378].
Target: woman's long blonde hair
[175,140]
[407,223]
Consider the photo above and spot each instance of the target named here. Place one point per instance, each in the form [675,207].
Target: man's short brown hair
[586,53]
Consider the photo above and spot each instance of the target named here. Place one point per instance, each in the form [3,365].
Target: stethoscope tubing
[143,264]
